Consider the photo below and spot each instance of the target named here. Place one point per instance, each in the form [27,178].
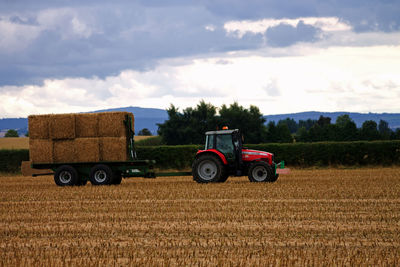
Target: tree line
[189,126]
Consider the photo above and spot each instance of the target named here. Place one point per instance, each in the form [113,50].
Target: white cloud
[359,79]
[326,24]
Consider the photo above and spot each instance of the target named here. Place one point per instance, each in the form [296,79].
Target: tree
[249,121]
[307,124]
[145,132]
[369,131]
[302,135]
[322,121]
[291,124]
[283,133]
[395,134]
[384,130]
[347,129]
[272,133]
[189,126]
[11,133]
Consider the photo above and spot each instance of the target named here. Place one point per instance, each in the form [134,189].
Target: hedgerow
[359,153]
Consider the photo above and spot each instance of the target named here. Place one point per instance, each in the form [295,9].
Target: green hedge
[10,160]
[169,157]
[358,153]
[383,153]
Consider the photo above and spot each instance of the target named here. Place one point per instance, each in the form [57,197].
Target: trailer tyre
[261,172]
[207,169]
[66,175]
[101,175]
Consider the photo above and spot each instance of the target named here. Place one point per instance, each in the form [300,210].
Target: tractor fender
[213,151]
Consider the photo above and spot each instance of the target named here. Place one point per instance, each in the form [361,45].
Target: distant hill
[392,118]
[149,117]
[144,118]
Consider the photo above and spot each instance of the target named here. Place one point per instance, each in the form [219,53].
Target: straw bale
[27,170]
[38,126]
[64,151]
[111,124]
[87,149]
[87,125]
[113,149]
[62,126]
[40,150]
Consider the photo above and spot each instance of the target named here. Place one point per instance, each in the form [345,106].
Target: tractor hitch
[280,168]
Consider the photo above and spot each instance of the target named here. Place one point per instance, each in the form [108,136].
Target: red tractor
[225,156]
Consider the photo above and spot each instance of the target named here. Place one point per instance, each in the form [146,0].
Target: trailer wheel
[261,172]
[207,169]
[117,179]
[101,175]
[65,175]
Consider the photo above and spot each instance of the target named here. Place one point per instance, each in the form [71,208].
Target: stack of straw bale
[68,138]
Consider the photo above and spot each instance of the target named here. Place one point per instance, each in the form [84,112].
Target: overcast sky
[282,56]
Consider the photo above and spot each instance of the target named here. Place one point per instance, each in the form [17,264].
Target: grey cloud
[285,35]
[106,38]
[26,21]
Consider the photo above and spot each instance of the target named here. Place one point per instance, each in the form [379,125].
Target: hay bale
[41,150]
[27,170]
[113,149]
[87,125]
[62,126]
[38,126]
[111,124]
[64,151]
[87,149]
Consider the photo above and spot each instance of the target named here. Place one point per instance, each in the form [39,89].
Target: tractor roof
[222,132]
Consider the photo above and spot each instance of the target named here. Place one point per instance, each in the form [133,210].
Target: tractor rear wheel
[261,172]
[207,169]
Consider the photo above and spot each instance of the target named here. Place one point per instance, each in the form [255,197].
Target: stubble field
[310,217]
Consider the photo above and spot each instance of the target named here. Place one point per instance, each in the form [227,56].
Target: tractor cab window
[209,141]
[224,144]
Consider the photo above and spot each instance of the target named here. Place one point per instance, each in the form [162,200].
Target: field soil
[23,142]
[310,217]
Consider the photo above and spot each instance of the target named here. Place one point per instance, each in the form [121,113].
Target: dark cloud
[285,35]
[96,38]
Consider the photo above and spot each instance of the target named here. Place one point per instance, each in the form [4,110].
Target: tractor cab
[224,156]
[227,142]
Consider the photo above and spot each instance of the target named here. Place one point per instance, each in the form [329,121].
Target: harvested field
[14,143]
[311,217]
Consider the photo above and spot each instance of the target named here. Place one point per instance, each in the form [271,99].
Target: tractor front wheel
[207,169]
[261,172]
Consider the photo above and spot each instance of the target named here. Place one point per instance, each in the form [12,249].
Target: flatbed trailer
[103,172]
